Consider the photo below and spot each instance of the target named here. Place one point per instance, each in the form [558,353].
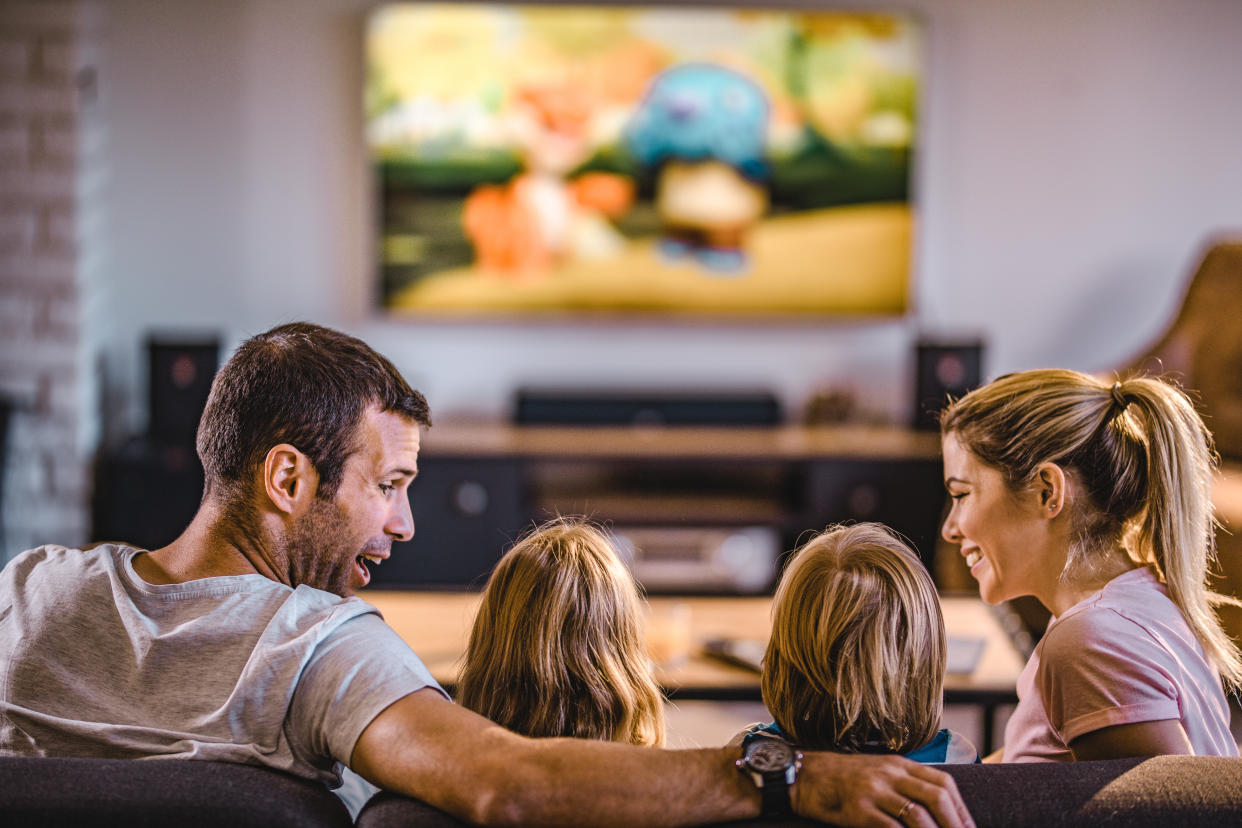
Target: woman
[1094,498]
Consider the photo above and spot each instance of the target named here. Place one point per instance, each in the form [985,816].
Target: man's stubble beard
[319,551]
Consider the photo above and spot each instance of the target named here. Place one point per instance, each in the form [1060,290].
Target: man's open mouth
[361,561]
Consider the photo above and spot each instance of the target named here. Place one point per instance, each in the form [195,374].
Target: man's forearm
[572,782]
[449,757]
[460,762]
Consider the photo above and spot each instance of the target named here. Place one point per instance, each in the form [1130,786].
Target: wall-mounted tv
[692,161]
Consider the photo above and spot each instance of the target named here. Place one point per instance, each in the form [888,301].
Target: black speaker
[906,495]
[181,375]
[146,492]
[944,370]
[467,512]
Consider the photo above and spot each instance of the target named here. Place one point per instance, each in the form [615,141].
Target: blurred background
[197,172]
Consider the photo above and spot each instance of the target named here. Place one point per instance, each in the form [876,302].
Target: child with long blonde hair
[856,659]
[557,647]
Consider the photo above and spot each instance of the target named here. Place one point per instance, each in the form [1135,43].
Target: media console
[480,486]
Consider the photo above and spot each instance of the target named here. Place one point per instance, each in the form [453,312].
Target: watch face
[764,755]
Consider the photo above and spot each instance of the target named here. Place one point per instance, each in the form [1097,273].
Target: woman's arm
[1138,739]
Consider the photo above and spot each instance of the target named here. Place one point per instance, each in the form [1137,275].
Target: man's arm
[456,760]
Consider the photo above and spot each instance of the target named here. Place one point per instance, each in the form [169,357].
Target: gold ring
[905,809]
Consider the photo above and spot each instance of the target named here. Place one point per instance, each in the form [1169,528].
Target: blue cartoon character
[703,129]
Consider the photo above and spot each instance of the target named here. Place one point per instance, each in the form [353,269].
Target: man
[241,641]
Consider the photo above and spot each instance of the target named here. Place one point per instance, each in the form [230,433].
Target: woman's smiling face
[1001,534]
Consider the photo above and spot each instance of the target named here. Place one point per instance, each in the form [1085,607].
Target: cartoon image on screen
[535,160]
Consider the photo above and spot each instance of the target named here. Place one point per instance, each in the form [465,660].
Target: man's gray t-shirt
[95,661]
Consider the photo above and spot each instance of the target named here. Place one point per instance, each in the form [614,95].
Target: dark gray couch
[121,793]
[1165,792]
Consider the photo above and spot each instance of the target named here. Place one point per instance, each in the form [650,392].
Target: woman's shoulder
[1131,638]
[1126,606]
[1090,628]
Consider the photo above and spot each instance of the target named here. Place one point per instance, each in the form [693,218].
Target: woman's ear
[289,479]
[1051,488]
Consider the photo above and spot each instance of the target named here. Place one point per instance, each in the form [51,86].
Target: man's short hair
[301,384]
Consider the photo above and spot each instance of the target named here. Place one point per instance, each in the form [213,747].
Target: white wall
[1077,157]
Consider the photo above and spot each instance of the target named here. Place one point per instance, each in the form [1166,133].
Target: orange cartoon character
[542,216]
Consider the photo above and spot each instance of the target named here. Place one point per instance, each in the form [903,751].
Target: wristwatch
[773,766]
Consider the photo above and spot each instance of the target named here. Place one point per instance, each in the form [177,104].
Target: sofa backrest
[102,793]
[1158,792]
[1180,791]
[1163,792]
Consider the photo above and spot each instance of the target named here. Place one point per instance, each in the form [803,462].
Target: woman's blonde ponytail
[1177,528]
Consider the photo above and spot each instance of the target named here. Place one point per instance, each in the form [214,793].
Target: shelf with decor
[480,486]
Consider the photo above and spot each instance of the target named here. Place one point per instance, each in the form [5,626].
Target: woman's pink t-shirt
[1123,655]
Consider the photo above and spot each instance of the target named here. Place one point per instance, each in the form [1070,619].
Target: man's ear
[289,479]
[1051,488]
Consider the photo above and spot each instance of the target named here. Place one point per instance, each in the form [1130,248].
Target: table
[437,626]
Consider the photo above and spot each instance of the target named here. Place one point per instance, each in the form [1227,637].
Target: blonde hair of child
[557,647]
[857,653]
[1145,461]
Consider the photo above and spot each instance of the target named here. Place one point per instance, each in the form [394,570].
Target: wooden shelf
[670,510]
[725,443]
[481,486]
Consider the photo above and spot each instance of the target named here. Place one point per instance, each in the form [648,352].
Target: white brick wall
[42,364]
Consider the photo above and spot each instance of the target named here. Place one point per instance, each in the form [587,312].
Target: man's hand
[863,791]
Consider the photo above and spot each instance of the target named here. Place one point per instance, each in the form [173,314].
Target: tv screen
[722,161]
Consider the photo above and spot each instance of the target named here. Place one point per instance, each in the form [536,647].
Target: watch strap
[775,793]
[774,784]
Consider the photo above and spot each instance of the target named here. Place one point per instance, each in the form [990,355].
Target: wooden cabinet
[480,487]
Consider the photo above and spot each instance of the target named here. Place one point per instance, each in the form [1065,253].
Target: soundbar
[728,408]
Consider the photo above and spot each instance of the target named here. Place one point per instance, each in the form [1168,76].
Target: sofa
[1182,791]
[124,793]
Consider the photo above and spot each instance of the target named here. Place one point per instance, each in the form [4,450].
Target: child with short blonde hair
[856,660]
[557,647]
